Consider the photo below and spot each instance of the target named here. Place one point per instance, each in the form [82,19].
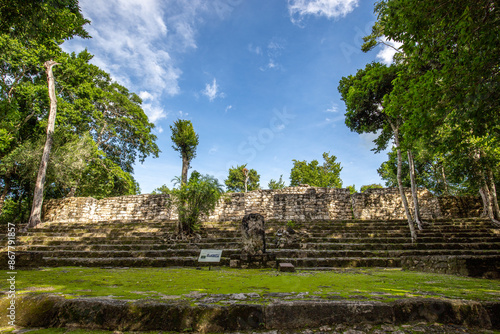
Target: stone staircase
[324,244]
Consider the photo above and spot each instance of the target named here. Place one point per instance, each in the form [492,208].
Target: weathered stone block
[253,234]
[286,267]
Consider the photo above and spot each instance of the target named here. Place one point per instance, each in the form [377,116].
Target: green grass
[166,283]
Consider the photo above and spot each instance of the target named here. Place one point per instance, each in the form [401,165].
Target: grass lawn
[188,283]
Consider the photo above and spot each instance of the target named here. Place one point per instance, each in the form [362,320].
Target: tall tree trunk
[485,202]
[493,196]
[400,185]
[487,199]
[185,167]
[36,210]
[5,191]
[414,193]
[182,228]
[445,182]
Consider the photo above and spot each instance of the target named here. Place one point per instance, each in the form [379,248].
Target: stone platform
[45,310]
[324,244]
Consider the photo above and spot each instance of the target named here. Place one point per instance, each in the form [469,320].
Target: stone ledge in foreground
[45,310]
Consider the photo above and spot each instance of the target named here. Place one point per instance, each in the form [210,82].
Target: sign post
[210,255]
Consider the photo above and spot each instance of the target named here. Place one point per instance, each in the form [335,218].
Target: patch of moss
[188,283]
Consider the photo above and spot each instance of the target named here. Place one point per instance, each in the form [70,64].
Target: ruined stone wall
[136,207]
[293,203]
[460,207]
[386,203]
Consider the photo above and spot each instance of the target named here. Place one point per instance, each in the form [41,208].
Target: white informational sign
[210,255]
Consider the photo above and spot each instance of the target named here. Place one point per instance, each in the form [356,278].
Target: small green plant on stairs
[193,199]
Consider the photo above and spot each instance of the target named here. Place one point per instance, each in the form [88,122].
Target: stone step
[401,246]
[130,262]
[130,253]
[294,253]
[50,238]
[270,239]
[270,246]
[204,231]
[272,225]
[193,262]
[145,231]
[347,262]
[131,246]
[153,230]
[287,253]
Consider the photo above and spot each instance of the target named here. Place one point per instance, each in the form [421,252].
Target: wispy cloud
[154,112]
[333,109]
[229,107]
[212,91]
[127,40]
[274,50]
[331,121]
[298,9]
[182,114]
[138,41]
[145,95]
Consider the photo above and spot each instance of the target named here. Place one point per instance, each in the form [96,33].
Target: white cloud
[127,42]
[333,109]
[144,95]
[327,8]
[331,121]
[274,50]
[211,91]
[153,112]
[182,114]
[389,49]
[228,108]
[138,41]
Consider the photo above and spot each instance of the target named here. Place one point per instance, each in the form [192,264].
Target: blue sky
[257,78]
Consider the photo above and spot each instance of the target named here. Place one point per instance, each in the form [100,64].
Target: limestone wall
[293,203]
[386,203]
[136,207]
[460,207]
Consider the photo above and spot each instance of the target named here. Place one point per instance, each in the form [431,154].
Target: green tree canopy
[185,142]
[280,184]
[448,93]
[316,175]
[364,95]
[161,190]
[370,186]
[101,129]
[235,181]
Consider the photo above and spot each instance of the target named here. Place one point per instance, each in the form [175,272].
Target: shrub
[197,197]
